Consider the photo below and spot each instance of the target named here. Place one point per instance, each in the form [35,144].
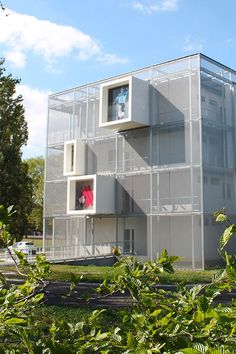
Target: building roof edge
[141,69]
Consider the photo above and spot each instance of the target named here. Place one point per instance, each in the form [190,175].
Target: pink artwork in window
[87,194]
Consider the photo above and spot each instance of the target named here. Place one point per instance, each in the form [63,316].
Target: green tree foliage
[17,302]
[36,173]
[15,183]
[2,8]
[184,322]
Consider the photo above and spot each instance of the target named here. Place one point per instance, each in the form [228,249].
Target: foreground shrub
[186,321]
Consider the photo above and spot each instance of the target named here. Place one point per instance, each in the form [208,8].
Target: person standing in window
[120,102]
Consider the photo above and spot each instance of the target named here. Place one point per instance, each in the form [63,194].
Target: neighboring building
[142,160]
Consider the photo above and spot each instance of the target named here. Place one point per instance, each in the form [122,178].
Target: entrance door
[129,241]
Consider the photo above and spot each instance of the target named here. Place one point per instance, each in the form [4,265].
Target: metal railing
[63,252]
[176,205]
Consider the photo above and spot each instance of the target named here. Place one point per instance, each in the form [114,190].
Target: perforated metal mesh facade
[169,175]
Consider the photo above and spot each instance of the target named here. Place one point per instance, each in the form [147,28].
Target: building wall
[160,191]
[218,150]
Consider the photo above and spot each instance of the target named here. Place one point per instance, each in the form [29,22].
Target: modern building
[142,160]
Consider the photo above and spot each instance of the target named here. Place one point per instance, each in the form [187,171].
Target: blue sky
[55,45]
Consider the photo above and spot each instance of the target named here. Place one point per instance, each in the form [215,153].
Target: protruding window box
[74,158]
[124,104]
[91,194]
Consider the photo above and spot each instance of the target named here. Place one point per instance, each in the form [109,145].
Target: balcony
[92,194]
[74,158]
[124,104]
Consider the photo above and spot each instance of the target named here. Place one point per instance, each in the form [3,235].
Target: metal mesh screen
[134,194]
[135,151]
[54,167]
[60,117]
[218,142]
[102,156]
[48,224]
[161,171]
[55,198]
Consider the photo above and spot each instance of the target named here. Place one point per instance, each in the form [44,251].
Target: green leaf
[221,217]
[189,351]
[155,313]
[117,337]
[231,271]
[227,235]
[10,210]
[215,351]
[79,326]
[131,341]
[38,297]
[198,316]
[203,302]
[101,336]
[15,321]
[200,347]
[116,330]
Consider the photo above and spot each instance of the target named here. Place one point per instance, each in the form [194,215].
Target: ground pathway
[58,293]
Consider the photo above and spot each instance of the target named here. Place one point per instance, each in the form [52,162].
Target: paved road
[57,294]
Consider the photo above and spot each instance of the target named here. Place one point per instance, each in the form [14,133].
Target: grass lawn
[47,314]
[89,273]
[98,274]
[188,276]
[62,272]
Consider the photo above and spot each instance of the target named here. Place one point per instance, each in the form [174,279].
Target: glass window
[129,241]
[118,98]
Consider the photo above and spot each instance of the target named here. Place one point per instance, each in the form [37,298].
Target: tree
[18,301]
[2,7]
[36,172]
[16,184]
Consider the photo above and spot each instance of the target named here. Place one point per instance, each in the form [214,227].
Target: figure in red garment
[87,193]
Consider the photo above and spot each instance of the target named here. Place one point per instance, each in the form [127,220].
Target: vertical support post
[201,159]
[191,160]
[123,235]
[87,103]
[92,235]
[73,118]
[80,120]
[45,174]
[85,230]
[116,193]
[70,251]
[53,238]
[123,153]
[150,175]
[44,234]
[150,219]
[94,110]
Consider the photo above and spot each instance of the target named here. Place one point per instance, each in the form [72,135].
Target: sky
[55,45]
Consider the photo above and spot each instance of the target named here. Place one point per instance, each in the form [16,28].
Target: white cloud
[113,59]
[16,58]
[229,40]
[148,8]
[35,104]
[192,45]
[23,33]
[169,5]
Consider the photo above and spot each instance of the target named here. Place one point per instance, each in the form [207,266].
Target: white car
[25,247]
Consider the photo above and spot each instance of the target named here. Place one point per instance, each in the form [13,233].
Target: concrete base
[98,261]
